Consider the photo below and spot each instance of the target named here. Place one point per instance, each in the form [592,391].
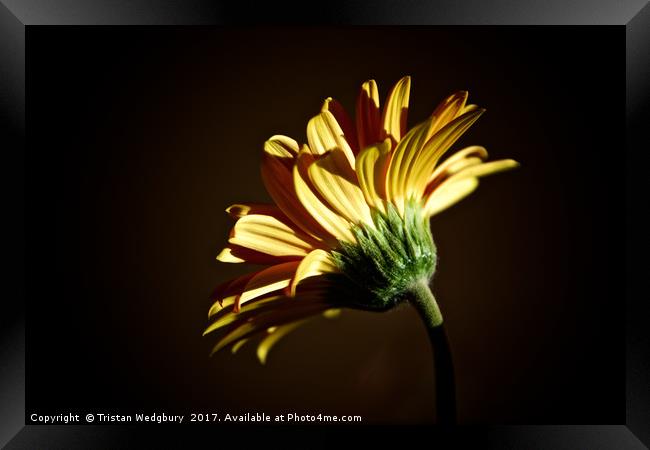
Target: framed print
[381,220]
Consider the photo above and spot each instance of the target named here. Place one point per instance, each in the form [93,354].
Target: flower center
[389,258]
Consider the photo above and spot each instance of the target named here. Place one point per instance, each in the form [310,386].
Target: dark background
[139,138]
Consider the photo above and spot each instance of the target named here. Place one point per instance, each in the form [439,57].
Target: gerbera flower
[350,223]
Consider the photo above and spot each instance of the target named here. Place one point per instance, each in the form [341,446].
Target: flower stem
[445,389]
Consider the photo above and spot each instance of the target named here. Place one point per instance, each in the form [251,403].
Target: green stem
[445,389]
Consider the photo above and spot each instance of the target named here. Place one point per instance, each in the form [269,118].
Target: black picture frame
[17,16]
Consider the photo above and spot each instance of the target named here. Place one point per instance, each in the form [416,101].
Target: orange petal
[278,179]
[368,115]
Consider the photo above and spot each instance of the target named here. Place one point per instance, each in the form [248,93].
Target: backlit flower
[350,223]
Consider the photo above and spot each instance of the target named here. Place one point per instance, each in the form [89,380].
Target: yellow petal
[437,146]
[278,179]
[411,155]
[238,254]
[332,313]
[238,345]
[337,184]
[268,280]
[469,108]
[449,193]
[398,177]
[281,147]
[229,316]
[244,209]
[368,115]
[371,174]
[313,291]
[344,121]
[474,151]
[488,168]
[220,305]
[331,221]
[267,234]
[396,109]
[274,337]
[228,289]
[381,171]
[448,170]
[460,165]
[463,183]
[446,111]
[325,134]
[228,301]
[262,322]
[226,256]
[317,262]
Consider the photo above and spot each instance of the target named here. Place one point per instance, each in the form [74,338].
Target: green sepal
[389,258]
